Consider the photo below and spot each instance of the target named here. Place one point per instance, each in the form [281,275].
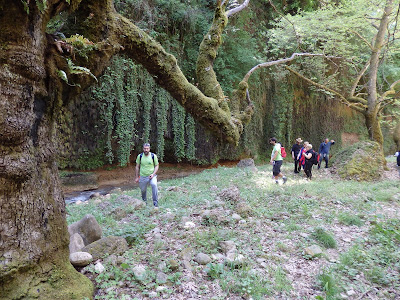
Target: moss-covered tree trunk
[34,254]
[374,127]
[37,77]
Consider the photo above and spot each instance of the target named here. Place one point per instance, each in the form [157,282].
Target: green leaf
[62,75]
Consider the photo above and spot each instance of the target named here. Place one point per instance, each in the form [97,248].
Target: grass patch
[284,220]
[350,219]
[325,239]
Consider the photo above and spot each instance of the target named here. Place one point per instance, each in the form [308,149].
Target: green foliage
[190,130]
[147,97]
[178,129]
[350,219]
[347,30]
[161,113]
[41,5]
[214,271]
[73,69]
[133,233]
[328,284]
[81,45]
[324,238]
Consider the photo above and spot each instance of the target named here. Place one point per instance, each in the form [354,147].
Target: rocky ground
[232,233]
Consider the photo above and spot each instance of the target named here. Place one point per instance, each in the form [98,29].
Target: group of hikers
[303,157]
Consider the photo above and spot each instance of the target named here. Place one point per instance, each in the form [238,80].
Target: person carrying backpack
[310,157]
[276,160]
[147,166]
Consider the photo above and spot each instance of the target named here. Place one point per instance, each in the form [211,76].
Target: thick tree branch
[237,9]
[342,99]
[391,91]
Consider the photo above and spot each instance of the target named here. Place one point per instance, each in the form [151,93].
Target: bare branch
[358,78]
[237,9]
[363,38]
[281,61]
[391,91]
[342,99]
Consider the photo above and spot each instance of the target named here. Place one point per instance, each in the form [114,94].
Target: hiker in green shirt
[147,167]
[276,160]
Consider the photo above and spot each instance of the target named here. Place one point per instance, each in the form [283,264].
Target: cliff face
[127,108]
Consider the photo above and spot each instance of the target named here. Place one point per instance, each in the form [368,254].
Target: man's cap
[299,140]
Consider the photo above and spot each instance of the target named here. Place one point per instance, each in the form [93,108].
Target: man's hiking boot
[284,180]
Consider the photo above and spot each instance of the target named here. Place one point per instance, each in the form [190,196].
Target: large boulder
[107,245]
[88,229]
[361,161]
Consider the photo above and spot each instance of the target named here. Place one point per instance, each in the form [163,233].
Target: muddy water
[124,178]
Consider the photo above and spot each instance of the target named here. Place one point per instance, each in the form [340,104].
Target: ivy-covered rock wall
[110,122]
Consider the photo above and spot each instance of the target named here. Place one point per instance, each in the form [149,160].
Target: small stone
[162,265]
[189,225]
[173,265]
[80,259]
[139,272]
[347,240]
[97,201]
[202,259]
[242,222]
[236,217]
[350,293]
[160,288]
[217,256]
[161,278]
[187,253]
[235,259]
[313,251]
[187,265]
[99,268]
[78,202]
[153,294]
[227,246]
[303,234]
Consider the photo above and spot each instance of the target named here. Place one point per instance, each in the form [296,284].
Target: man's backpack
[283,152]
[152,156]
[314,158]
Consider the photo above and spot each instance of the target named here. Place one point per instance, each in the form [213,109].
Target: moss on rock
[362,161]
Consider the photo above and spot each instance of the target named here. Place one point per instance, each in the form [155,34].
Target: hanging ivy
[190,138]
[125,114]
[161,113]
[178,129]
[103,93]
[147,86]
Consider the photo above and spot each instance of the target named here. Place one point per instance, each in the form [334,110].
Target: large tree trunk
[374,127]
[33,231]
